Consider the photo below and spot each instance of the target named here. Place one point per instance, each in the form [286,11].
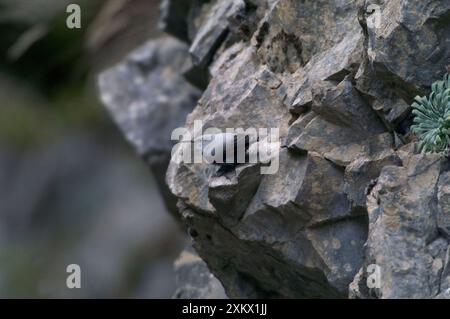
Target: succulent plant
[432,118]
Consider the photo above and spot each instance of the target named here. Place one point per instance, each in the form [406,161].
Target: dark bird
[233,150]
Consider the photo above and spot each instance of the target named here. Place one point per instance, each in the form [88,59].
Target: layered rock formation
[336,78]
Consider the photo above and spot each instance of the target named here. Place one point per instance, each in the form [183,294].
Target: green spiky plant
[432,119]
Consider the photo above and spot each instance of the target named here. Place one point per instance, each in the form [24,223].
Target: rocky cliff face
[351,199]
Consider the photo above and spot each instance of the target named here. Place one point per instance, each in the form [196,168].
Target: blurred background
[71,189]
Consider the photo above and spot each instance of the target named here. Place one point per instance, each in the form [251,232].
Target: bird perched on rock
[226,150]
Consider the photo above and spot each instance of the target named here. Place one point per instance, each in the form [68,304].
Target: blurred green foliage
[48,87]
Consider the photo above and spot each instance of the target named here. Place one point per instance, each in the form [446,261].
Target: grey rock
[350,190]
[231,197]
[296,233]
[340,246]
[174,18]
[388,104]
[361,172]
[251,268]
[339,144]
[410,47]
[242,96]
[194,280]
[406,53]
[244,23]
[213,29]
[443,217]
[314,24]
[301,228]
[404,240]
[148,98]
[343,105]
[333,64]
